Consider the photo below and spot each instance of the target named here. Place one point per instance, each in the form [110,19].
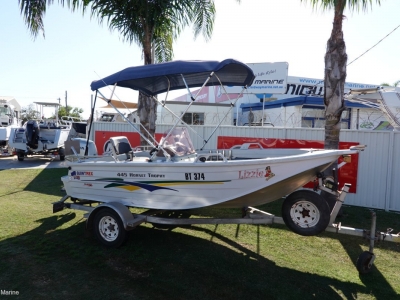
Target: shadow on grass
[374,282]
[57,259]
[47,181]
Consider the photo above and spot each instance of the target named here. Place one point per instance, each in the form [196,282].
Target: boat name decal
[256,173]
[156,175]
[88,184]
[138,175]
[195,176]
[85,173]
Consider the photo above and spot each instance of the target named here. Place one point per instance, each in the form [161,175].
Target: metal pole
[90,124]
[372,233]
[262,120]
[66,105]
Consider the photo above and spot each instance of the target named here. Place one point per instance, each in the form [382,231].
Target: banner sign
[271,78]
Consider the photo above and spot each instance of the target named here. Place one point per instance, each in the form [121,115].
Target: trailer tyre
[306,213]
[20,156]
[363,262]
[109,229]
[61,152]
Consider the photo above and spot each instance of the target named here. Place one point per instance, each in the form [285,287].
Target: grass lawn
[51,256]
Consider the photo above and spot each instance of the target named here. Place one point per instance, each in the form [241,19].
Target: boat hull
[194,184]
[49,139]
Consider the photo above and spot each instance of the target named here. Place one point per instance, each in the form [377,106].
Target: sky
[77,49]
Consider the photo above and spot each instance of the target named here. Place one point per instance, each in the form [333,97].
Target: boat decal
[251,173]
[84,173]
[132,185]
[256,173]
[268,173]
[150,185]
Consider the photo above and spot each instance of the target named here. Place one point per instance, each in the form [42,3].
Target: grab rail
[205,156]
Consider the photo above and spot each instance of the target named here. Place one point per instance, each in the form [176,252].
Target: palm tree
[395,84]
[335,66]
[33,12]
[335,74]
[152,24]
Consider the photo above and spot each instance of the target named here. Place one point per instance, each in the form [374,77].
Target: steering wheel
[152,151]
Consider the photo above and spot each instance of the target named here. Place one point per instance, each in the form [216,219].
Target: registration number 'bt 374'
[195,176]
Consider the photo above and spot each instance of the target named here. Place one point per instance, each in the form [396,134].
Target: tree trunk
[147,112]
[335,77]
[147,107]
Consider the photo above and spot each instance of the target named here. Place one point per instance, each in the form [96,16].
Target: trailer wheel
[306,213]
[364,264]
[109,228]
[20,156]
[61,152]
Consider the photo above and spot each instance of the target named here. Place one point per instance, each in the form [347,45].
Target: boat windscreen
[178,141]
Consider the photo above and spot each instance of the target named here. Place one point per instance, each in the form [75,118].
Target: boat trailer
[121,217]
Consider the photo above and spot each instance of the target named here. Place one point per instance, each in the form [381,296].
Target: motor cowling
[32,134]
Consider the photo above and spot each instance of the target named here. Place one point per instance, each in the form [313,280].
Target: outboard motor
[32,134]
[92,149]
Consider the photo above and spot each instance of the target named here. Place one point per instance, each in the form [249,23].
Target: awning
[120,104]
[155,79]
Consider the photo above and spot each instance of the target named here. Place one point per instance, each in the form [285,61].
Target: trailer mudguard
[123,212]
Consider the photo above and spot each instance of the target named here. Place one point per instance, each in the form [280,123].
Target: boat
[385,99]
[176,177]
[10,111]
[40,137]
[78,126]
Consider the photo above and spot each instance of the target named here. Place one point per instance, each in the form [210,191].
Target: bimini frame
[165,79]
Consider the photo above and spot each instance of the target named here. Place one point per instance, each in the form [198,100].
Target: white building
[199,113]
[293,108]
[308,111]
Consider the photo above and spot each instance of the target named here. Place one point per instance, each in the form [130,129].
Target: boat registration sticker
[195,176]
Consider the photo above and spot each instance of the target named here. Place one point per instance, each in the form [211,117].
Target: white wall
[213,114]
[367,119]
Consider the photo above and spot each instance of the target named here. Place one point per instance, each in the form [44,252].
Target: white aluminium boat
[40,137]
[196,181]
[175,177]
[10,118]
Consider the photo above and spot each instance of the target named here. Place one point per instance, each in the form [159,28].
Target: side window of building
[193,118]
[314,117]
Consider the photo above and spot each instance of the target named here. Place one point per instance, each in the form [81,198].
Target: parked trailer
[111,221]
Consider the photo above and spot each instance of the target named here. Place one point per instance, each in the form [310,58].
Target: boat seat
[121,145]
[48,125]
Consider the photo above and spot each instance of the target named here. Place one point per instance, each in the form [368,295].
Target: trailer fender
[124,213]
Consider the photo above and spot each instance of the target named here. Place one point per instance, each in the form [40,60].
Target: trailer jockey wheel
[364,262]
[109,228]
[306,213]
